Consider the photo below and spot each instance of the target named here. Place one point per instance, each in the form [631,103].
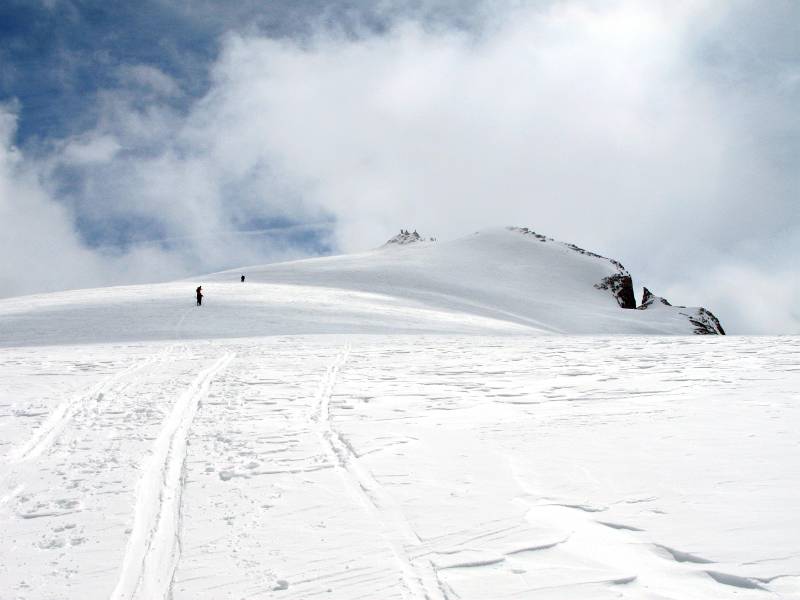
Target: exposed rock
[705,323]
[702,319]
[405,237]
[526,231]
[649,298]
[621,286]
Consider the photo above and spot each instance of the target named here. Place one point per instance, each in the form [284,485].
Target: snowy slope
[438,442]
[495,281]
[401,467]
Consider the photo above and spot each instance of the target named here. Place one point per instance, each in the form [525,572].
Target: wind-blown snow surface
[432,445]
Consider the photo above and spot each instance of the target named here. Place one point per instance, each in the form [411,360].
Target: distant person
[199,292]
[242,278]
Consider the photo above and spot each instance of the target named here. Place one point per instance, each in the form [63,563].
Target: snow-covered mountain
[494,281]
[151,449]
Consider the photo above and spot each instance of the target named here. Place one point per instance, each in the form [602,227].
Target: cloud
[756,299]
[37,242]
[598,125]
[635,129]
[148,78]
[90,149]
[42,248]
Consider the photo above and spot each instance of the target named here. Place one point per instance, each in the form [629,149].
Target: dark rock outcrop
[531,232]
[705,323]
[702,319]
[621,286]
[649,298]
[405,237]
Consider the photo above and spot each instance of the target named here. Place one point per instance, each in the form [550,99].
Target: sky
[153,140]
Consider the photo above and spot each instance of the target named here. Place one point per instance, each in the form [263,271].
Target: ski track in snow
[5,498]
[44,436]
[154,546]
[439,468]
[420,582]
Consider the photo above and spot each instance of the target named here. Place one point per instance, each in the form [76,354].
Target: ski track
[154,546]
[12,494]
[46,434]
[420,583]
[533,540]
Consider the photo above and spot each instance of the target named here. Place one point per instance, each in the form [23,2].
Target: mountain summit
[405,237]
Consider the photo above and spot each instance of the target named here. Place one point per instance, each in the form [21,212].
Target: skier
[199,292]
[242,278]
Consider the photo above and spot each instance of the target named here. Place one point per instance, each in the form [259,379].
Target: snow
[398,424]
[492,282]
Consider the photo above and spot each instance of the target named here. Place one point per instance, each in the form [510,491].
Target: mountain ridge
[502,281]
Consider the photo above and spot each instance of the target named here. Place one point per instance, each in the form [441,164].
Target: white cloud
[90,149]
[758,300]
[41,249]
[552,113]
[37,242]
